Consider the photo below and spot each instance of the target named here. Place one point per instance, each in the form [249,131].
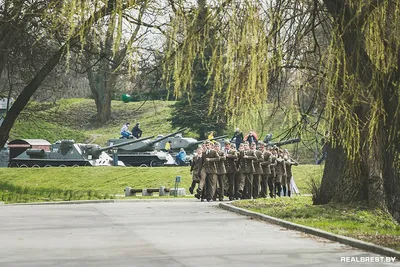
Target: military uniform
[231,169]
[289,163]
[280,175]
[266,174]
[209,157]
[247,170]
[258,171]
[194,169]
[221,173]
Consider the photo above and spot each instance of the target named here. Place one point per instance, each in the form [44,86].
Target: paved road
[173,233]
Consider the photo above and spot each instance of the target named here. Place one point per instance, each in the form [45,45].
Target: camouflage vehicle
[40,153]
[146,153]
[187,143]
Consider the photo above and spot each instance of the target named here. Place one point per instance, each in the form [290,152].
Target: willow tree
[356,66]
[68,22]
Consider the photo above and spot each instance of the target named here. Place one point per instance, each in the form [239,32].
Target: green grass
[357,220]
[100,182]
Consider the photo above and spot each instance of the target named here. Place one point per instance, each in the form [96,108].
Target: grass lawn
[44,184]
[356,221]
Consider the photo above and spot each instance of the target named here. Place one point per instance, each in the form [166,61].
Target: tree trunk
[102,85]
[359,179]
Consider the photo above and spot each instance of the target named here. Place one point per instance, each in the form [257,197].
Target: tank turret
[146,145]
[187,143]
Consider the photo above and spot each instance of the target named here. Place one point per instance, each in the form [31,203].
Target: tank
[146,153]
[63,153]
[187,143]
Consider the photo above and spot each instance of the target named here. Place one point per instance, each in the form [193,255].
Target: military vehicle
[145,154]
[187,143]
[36,153]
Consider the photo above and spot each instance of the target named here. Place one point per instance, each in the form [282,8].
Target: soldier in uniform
[208,159]
[246,159]
[221,172]
[272,175]
[289,163]
[266,171]
[280,174]
[231,168]
[239,177]
[258,171]
[194,169]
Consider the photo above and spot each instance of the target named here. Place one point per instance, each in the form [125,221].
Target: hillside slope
[75,119]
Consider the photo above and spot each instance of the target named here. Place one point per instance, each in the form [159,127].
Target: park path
[155,233]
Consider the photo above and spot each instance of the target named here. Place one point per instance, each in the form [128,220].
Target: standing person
[239,176]
[238,136]
[208,159]
[231,168]
[280,174]
[251,138]
[258,171]
[125,133]
[289,163]
[181,157]
[168,147]
[221,172]
[211,135]
[194,169]
[136,131]
[266,171]
[247,168]
[272,177]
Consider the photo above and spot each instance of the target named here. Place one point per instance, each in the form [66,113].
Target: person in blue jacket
[181,157]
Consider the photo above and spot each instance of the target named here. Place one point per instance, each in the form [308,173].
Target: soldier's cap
[227,143]
[207,142]
[260,143]
[246,142]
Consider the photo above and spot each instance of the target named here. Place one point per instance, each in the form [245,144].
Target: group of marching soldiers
[242,173]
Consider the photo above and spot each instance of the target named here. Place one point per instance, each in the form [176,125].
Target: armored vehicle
[187,143]
[40,153]
[143,153]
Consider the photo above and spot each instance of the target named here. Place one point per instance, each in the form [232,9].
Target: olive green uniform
[247,170]
[209,158]
[221,173]
[231,169]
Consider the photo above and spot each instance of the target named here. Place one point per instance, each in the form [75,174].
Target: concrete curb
[309,230]
[103,201]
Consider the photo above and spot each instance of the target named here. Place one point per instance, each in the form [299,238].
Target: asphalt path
[158,233]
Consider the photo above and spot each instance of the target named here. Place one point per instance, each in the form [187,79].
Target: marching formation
[246,173]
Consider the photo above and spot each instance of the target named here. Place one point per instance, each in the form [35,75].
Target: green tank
[25,153]
[145,153]
[187,143]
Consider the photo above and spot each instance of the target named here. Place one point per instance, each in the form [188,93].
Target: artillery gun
[284,142]
[65,153]
[146,153]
